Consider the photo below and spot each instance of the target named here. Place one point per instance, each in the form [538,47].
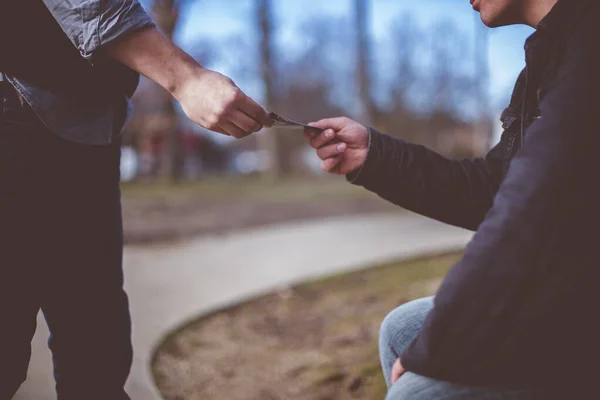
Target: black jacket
[521,306]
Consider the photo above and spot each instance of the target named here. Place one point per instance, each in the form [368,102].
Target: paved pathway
[168,285]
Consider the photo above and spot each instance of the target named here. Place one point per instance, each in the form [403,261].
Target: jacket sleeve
[414,177]
[91,24]
[483,326]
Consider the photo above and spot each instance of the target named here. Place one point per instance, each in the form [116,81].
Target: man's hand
[343,146]
[207,97]
[397,371]
[216,103]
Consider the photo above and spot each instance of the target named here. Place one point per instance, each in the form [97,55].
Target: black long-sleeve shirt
[520,307]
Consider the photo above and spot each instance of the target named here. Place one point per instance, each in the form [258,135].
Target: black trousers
[61,251]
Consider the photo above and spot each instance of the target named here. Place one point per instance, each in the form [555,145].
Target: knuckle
[213,122]
[228,106]
[236,95]
[230,82]
[220,111]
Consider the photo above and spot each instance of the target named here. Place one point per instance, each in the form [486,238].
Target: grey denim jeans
[398,330]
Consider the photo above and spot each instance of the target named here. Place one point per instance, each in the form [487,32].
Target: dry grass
[163,211]
[316,341]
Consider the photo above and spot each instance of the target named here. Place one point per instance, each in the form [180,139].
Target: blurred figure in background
[67,69]
[516,318]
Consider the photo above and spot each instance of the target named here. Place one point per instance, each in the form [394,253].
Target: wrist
[179,77]
[353,175]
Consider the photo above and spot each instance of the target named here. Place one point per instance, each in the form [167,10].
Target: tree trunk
[166,16]
[363,54]
[485,125]
[267,139]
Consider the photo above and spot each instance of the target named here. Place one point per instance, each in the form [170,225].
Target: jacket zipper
[509,149]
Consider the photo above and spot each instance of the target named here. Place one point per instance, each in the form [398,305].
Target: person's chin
[494,21]
[490,22]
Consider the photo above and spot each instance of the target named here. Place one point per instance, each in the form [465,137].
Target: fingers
[331,150]
[310,132]
[253,110]
[229,128]
[331,123]
[331,164]
[244,122]
[318,141]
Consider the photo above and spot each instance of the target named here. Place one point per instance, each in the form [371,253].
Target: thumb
[336,124]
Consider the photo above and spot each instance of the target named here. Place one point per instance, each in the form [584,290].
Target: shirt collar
[552,22]
[555,23]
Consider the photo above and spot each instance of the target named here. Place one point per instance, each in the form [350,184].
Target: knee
[403,324]
[415,387]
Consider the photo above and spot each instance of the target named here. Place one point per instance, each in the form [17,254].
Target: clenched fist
[213,101]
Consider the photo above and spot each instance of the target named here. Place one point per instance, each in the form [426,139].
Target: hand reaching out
[342,146]
[208,98]
[213,101]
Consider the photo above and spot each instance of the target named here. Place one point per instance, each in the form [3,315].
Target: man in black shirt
[516,317]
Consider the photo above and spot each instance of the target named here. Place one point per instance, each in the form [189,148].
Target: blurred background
[429,72]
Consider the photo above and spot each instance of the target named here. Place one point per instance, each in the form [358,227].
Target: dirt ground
[158,212]
[316,341]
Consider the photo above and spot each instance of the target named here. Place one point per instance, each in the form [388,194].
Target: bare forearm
[208,98]
[153,55]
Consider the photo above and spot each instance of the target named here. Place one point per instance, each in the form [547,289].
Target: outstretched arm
[207,97]
[411,176]
[123,30]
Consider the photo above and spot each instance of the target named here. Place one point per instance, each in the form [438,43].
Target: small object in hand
[279,120]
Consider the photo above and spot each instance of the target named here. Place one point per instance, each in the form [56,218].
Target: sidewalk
[171,284]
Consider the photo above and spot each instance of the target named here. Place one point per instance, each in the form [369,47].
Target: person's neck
[534,11]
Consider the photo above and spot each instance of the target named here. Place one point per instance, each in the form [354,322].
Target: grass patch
[315,341]
[163,211]
[256,188]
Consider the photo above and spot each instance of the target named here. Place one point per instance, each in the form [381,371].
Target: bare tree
[363,54]
[268,139]
[399,118]
[485,123]
[306,84]
[166,15]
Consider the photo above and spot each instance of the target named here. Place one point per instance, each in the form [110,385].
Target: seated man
[514,318]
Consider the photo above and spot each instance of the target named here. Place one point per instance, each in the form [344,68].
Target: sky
[220,20]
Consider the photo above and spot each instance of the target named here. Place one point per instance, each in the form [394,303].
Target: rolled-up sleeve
[91,24]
